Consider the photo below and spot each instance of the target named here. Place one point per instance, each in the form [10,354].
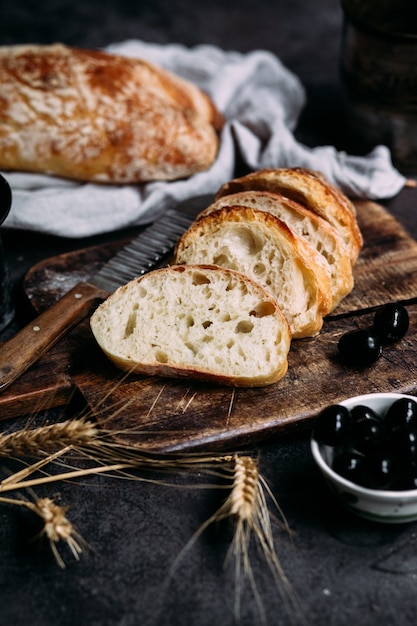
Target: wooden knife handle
[29,344]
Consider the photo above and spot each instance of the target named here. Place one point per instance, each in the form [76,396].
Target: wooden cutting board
[167,415]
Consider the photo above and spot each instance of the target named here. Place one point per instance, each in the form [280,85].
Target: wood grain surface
[162,414]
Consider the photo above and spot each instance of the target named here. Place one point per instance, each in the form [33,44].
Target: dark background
[344,569]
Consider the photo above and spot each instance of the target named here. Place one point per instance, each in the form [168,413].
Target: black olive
[349,465]
[374,451]
[402,412]
[361,411]
[408,478]
[368,435]
[360,347]
[403,443]
[333,425]
[380,471]
[391,322]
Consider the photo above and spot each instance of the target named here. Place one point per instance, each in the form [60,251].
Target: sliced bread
[326,239]
[310,189]
[201,322]
[261,246]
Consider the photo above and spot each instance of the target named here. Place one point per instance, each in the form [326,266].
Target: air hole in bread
[161,356]
[189,321]
[225,261]
[242,353]
[329,258]
[131,325]
[263,309]
[242,241]
[259,269]
[200,279]
[244,326]
[191,347]
[206,324]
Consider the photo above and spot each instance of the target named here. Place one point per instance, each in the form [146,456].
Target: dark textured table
[345,570]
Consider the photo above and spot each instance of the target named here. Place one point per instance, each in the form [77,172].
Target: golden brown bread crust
[318,232]
[94,116]
[307,188]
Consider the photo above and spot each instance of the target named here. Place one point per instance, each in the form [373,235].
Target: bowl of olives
[366,449]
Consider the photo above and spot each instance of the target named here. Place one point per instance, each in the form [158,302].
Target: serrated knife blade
[143,253]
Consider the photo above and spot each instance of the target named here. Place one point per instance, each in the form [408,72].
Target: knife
[143,253]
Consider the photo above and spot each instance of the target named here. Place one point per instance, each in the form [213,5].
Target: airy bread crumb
[198,321]
[261,246]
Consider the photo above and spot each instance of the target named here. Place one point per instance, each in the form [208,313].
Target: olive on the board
[391,322]
[360,347]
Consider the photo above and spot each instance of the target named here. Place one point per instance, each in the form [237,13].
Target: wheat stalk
[48,438]
[57,526]
[247,505]
[246,502]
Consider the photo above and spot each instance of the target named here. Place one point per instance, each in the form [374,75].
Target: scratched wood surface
[162,414]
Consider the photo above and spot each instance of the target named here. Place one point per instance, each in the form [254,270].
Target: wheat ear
[57,526]
[48,438]
[247,505]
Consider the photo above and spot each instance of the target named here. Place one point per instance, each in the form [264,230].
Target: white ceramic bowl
[380,505]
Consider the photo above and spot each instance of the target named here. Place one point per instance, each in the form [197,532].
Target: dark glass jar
[378,68]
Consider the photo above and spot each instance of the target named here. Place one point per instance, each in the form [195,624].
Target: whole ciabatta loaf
[310,189]
[201,322]
[94,116]
[261,246]
[318,232]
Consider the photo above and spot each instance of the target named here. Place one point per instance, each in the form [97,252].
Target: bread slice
[94,116]
[318,232]
[310,189]
[200,322]
[261,246]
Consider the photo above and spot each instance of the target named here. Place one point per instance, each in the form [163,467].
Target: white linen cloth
[261,101]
